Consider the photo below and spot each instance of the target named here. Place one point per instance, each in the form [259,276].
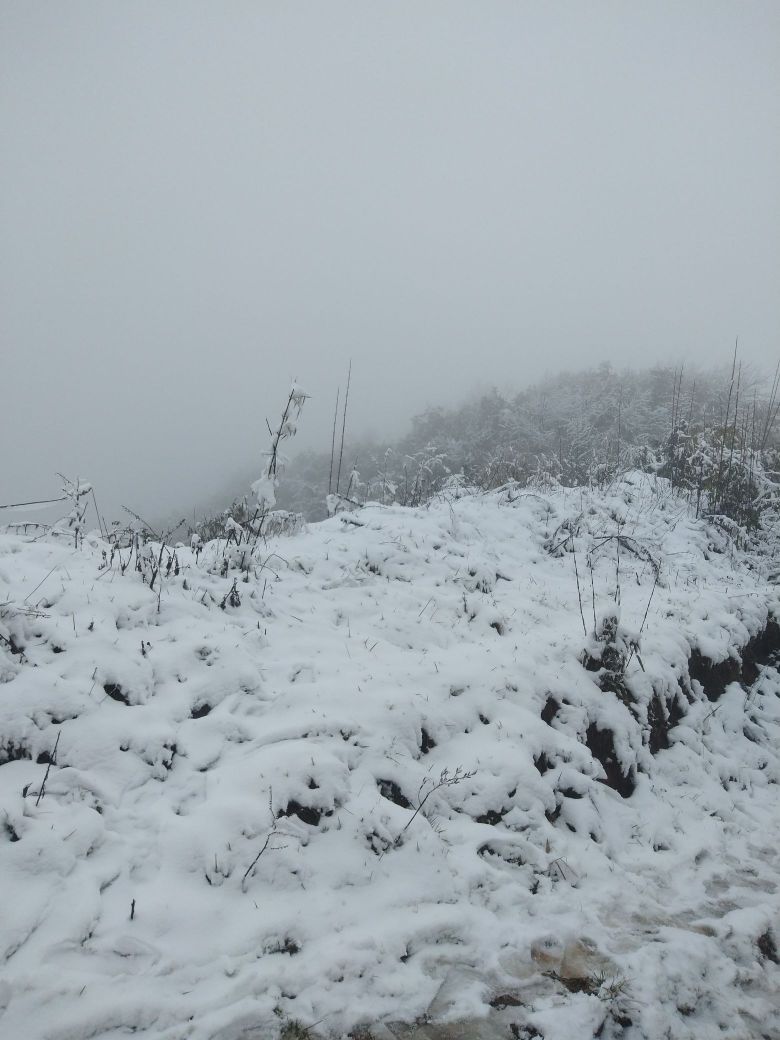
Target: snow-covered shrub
[237,531]
[336,502]
[76,491]
[280,521]
[608,651]
[721,472]
[264,488]
[424,474]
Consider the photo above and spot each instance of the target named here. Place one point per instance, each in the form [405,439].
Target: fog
[201,201]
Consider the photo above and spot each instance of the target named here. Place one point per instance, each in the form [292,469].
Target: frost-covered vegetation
[500,764]
[713,434]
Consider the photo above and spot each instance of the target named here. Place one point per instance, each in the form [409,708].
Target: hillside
[505,766]
[713,433]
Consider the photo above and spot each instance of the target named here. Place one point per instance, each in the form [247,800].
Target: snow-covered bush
[264,488]
[77,492]
[236,531]
[721,470]
[608,652]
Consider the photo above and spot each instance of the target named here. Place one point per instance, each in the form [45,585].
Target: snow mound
[510,760]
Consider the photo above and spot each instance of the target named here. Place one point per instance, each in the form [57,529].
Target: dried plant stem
[52,759]
[343,427]
[333,440]
[579,591]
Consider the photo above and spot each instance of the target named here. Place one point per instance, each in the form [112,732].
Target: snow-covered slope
[230,838]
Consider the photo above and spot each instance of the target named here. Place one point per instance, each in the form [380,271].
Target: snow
[376,658]
[264,491]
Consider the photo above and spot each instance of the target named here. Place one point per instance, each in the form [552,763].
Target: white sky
[200,200]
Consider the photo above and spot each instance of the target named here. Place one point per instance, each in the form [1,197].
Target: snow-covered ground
[229,840]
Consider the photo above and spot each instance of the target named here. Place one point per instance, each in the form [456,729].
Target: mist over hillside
[713,432]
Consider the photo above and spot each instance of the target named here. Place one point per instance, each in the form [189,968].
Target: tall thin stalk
[343,426]
[727,481]
[773,407]
[333,441]
[716,503]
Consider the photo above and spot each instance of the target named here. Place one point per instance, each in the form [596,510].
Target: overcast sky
[199,201]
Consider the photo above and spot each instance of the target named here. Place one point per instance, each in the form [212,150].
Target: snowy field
[377,793]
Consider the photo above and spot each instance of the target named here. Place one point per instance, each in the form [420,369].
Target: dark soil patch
[307,814]
[524,1032]
[378,844]
[762,649]
[503,1000]
[173,750]
[389,789]
[768,947]
[661,719]
[427,743]
[551,815]
[492,816]
[569,792]
[542,763]
[550,710]
[659,725]
[13,752]
[116,693]
[714,677]
[601,744]
[487,849]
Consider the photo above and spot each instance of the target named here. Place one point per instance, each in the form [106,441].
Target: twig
[445,780]
[579,593]
[40,502]
[54,568]
[333,440]
[343,426]
[718,491]
[592,591]
[271,834]
[647,608]
[101,522]
[52,759]
[141,519]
